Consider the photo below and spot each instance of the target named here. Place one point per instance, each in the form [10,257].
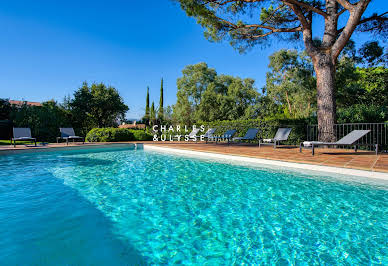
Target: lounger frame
[348,140]
[314,145]
[282,134]
[68,133]
[249,135]
[17,135]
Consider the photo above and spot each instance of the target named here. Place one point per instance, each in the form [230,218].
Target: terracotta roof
[140,126]
[20,103]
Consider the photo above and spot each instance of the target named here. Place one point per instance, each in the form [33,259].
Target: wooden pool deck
[362,160]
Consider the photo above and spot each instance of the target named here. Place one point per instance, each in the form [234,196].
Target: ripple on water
[174,210]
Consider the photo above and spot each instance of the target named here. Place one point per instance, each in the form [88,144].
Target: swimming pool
[120,206]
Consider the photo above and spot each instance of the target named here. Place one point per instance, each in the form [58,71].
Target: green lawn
[8,142]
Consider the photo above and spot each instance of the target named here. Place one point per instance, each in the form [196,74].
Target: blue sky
[48,48]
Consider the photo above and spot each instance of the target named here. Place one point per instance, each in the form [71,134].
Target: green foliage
[141,135]
[153,114]
[5,109]
[91,106]
[375,82]
[160,113]
[291,83]
[205,95]
[146,117]
[116,134]
[109,135]
[167,113]
[97,106]
[208,13]
[267,128]
[361,113]
[44,120]
[183,110]
[371,53]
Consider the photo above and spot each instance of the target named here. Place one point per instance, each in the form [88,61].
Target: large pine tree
[246,23]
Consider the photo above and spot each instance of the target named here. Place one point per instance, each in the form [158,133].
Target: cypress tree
[147,109]
[160,113]
[152,115]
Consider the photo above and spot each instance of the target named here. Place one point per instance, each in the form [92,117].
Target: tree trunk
[325,71]
[289,104]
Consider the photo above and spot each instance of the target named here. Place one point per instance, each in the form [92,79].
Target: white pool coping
[261,162]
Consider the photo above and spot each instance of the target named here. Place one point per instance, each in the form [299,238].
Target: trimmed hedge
[267,128]
[116,134]
[141,135]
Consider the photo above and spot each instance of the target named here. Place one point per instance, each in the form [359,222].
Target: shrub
[362,113]
[111,134]
[141,135]
[267,127]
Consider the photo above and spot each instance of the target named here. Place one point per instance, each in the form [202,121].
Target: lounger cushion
[268,140]
[21,138]
[73,137]
[310,143]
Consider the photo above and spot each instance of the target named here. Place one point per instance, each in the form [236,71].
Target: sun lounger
[349,140]
[250,135]
[228,135]
[191,135]
[194,133]
[22,134]
[281,135]
[67,133]
[209,134]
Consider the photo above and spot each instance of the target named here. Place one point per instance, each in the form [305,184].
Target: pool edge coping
[260,161]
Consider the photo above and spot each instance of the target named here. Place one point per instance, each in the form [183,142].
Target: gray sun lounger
[349,140]
[209,134]
[250,135]
[228,135]
[191,135]
[67,133]
[281,135]
[22,134]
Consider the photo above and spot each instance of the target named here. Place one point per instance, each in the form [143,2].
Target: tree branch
[306,6]
[341,12]
[371,18]
[347,31]
[347,5]
[295,2]
[374,17]
[251,27]
[306,29]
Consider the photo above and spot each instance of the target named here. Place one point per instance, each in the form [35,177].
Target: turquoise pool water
[127,207]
